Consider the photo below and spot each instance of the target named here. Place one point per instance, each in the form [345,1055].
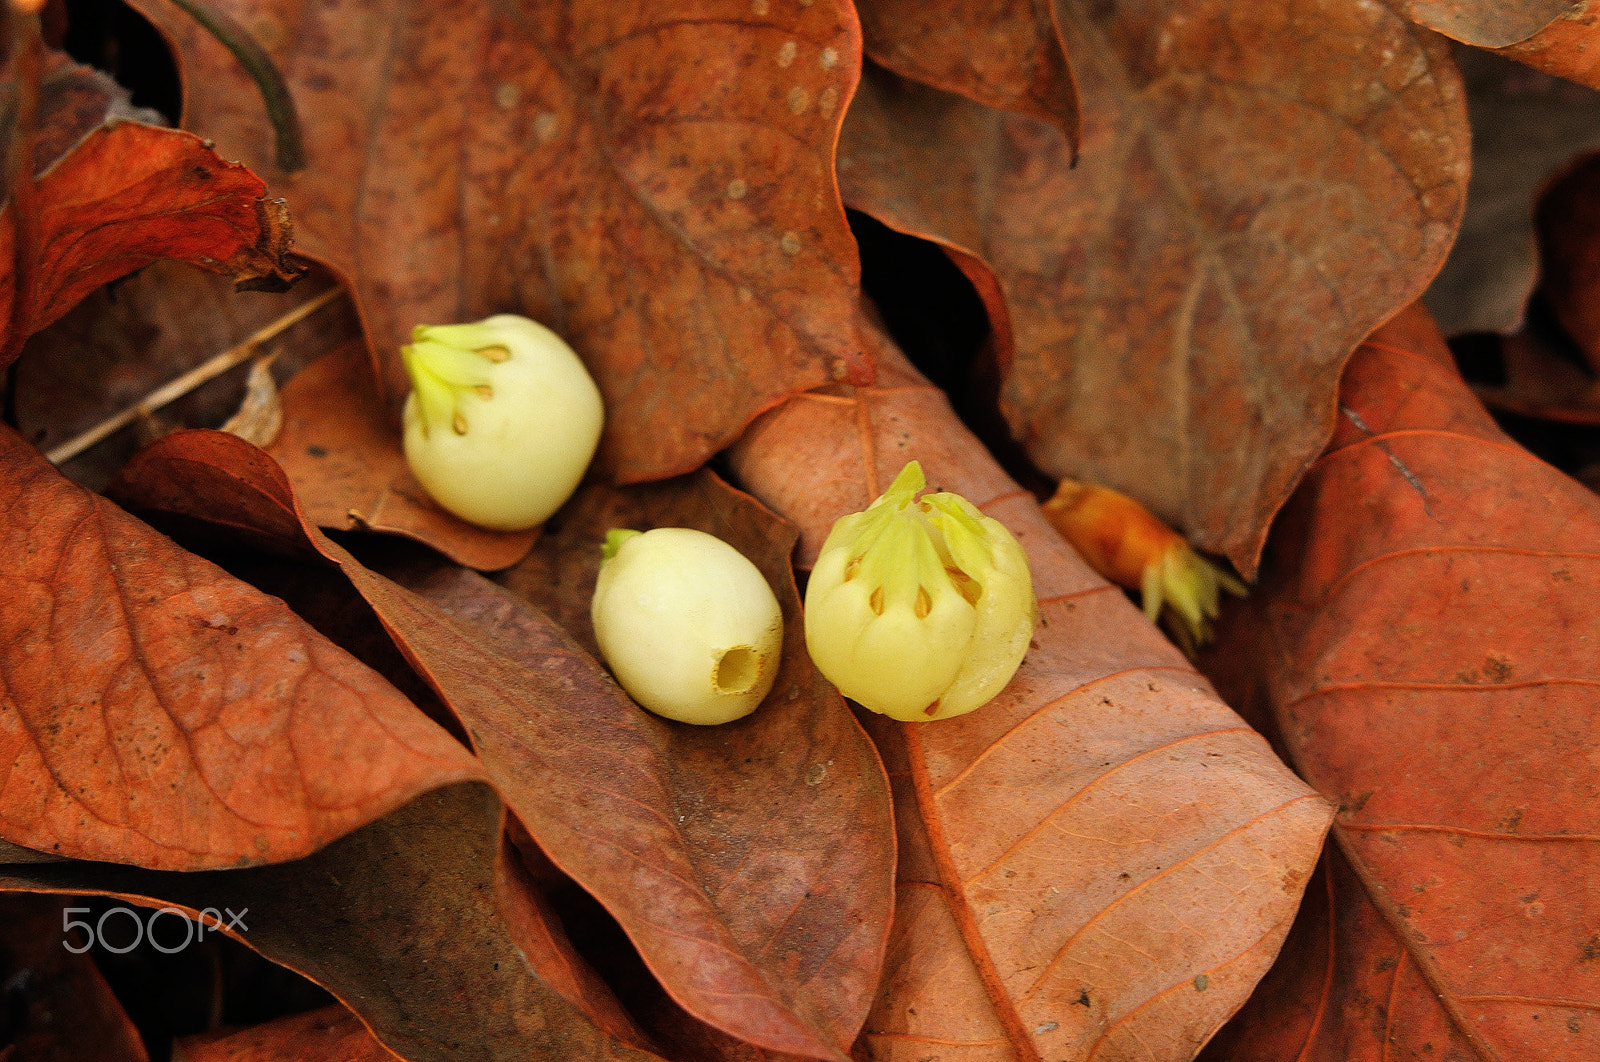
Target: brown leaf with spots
[1172,314]
[654,183]
[1560,37]
[343,456]
[1007,55]
[749,863]
[1102,861]
[404,921]
[1423,638]
[155,710]
[112,195]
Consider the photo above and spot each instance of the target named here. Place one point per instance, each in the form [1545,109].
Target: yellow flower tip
[1190,586]
[919,609]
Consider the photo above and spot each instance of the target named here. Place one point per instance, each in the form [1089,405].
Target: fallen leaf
[343,456]
[639,812]
[1420,635]
[1007,55]
[124,195]
[260,415]
[1525,126]
[1103,838]
[1242,216]
[331,1034]
[58,1006]
[655,185]
[157,711]
[357,916]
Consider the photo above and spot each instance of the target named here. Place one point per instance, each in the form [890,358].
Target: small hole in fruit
[737,670]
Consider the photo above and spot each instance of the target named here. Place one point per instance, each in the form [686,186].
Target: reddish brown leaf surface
[1568,224]
[1569,47]
[654,183]
[762,906]
[126,194]
[58,1006]
[1423,637]
[1560,37]
[1007,55]
[155,710]
[358,916]
[1243,214]
[343,456]
[1112,857]
[331,1034]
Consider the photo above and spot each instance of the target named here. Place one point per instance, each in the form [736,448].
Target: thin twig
[269,81]
[176,389]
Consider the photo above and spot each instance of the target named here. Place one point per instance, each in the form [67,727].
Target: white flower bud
[919,609]
[502,419]
[688,625]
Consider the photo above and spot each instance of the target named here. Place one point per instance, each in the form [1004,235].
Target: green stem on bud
[614,540]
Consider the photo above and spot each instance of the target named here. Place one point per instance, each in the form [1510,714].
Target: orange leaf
[126,194]
[1103,856]
[1244,212]
[1423,635]
[155,710]
[1556,36]
[655,184]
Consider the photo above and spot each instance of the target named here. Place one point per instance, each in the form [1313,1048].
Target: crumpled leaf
[344,458]
[125,194]
[1525,127]
[653,183]
[331,1034]
[1112,857]
[1423,636]
[259,418]
[58,1006]
[639,814]
[1007,54]
[1243,214]
[155,710]
[359,916]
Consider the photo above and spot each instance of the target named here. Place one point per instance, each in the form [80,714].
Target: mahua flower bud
[919,608]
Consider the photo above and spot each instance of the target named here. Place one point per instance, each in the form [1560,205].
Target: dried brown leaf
[1423,638]
[155,710]
[1111,856]
[331,1034]
[1243,214]
[654,183]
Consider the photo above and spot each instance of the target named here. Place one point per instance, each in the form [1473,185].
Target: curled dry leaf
[1100,862]
[332,1034]
[124,195]
[260,415]
[155,710]
[343,456]
[1007,55]
[355,916]
[58,1006]
[761,906]
[655,184]
[1560,37]
[1176,270]
[1427,655]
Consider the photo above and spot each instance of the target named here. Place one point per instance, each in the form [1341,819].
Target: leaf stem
[175,389]
[281,111]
